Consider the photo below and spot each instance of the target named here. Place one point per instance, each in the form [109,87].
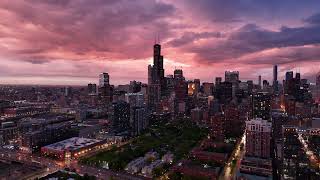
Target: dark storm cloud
[289,55]
[315,19]
[251,39]
[228,11]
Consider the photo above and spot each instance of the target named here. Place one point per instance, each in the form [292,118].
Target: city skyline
[160,89]
[66,43]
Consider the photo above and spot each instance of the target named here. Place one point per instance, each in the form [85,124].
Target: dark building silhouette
[121,116]
[92,89]
[275,79]
[103,79]
[181,91]
[156,79]
[223,92]
[262,105]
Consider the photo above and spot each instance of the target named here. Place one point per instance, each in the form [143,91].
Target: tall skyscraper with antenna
[156,79]
[275,78]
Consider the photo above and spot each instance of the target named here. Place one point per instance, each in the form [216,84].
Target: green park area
[178,137]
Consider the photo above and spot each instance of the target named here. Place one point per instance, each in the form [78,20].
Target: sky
[69,42]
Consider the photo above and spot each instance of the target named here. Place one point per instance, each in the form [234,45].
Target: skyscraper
[208,88]
[275,78]
[289,75]
[121,116]
[138,119]
[134,99]
[181,91]
[103,79]
[191,88]
[262,105]
[92,89]
[223,92]
[178,73]
[258,137]
[259,82]
[156,79]
[157,68]
[197,85]
[218,80]
[232,76]
[291,84]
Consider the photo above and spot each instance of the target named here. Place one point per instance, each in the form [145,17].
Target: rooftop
[72,144]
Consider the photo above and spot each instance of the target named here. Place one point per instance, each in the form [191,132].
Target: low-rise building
[255,168]
[167,158]
[152,155]
[147,170]
[136,165]
[72,148]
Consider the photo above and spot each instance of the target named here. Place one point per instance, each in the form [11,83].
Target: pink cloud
[71,42]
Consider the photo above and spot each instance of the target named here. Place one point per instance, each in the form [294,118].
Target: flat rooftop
[72,144]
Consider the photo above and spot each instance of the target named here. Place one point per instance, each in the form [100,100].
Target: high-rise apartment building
[103,79]
[261,105]
[258,137]
[232,76]
[275,79]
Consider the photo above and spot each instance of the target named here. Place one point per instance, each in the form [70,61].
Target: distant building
[92,89]
[275,79]
[156,79]
[178,74]
[106,93]
[259,82]
[223,92]
[218,80]
[134,99]
[197,85]
[135,86]
[232,76]
[191,88]
[154,96]
[138,120]
[262,105]
[121,116]
[318,79]
[208,88]
[103,79]
[181,92]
